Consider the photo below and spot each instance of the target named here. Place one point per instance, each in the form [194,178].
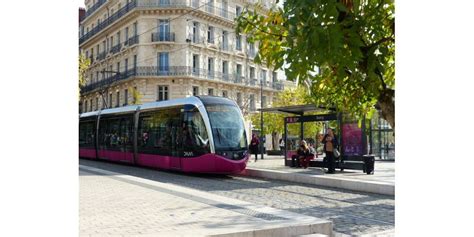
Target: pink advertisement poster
[352,139]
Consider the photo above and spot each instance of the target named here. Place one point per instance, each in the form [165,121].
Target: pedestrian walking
[254,145]
[330,144]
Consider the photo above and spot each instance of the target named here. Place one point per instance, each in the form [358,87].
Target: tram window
[126,132]
[157,131]
[195,137]
[86,134]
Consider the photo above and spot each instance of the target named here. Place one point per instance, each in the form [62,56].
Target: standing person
[254,145]
[282,145]
[330,143]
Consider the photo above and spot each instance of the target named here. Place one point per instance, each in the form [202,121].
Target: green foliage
[136,95]
[273,122]
[344,48]
[84,64]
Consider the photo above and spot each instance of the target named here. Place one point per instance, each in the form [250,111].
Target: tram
[203,134]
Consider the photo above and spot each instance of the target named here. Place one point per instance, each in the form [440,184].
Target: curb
[348,184]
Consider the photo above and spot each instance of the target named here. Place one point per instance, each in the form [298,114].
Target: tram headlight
[236,156]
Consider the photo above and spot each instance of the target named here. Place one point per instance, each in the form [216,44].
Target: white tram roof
[193,100]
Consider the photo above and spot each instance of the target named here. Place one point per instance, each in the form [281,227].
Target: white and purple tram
[196,134]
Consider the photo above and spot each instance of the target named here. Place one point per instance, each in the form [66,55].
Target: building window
[195,63]
[96,103]
[210,6]
[210,67]
[224,94]
[118,38]
[85,106]
[238,73]
[134,61]
[118,99]
[210,91]
[126,35]
[274,76]
[195,32]
[118,68]
[264,102]
[195,91]
[252,50]
[252,102]
[239,98]
[135,29]
[110,101]
[225,41]
[126,65]
[134,98]
[210,34]
[225,70]
[252,73]
[164,30]
[238,10]
[163,63]
[238,42]
[125,95]
[162,93]
[263,76]
[90,104]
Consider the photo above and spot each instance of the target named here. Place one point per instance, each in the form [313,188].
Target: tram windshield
[227,127]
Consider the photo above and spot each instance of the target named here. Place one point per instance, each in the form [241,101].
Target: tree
[343,49]
[84,64]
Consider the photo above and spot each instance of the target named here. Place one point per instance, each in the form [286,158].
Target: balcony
[154,71]
[94,8]
[163,37]
[226,77]
[101,56]
[144,4]
[132,40]
[225,46]
[116,49]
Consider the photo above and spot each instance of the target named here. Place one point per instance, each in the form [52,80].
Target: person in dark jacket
[330,144]
[254,145]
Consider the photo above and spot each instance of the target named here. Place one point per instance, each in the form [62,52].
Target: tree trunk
[387,105]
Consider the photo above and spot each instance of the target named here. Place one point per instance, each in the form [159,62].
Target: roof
[298,109]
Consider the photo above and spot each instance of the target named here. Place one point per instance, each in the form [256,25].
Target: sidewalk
[115,204]
[272,167]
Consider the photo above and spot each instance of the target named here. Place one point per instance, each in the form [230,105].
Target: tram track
[312,200]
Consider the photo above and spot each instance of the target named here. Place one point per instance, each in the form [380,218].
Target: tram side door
[176,144]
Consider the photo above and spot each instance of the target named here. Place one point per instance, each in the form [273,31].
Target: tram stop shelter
[351,137]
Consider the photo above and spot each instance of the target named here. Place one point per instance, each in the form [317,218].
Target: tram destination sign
[311,118]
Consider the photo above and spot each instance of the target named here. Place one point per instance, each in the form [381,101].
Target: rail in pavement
[118,204]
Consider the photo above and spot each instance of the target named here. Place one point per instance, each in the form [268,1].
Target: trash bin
[369,161]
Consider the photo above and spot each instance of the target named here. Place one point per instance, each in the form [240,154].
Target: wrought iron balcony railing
[133,40]
[101,56]
[94,8]
[174,71]
[144,4]
[116,49]
[163,37]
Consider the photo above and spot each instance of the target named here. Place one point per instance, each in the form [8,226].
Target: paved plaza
[111,205]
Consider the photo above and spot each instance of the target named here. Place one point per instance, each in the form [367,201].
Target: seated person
[304,153]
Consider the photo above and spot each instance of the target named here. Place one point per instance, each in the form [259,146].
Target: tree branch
[263,31]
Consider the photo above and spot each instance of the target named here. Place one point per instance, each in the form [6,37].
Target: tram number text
[188,153]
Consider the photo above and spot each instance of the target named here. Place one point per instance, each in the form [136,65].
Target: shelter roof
[298,109]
